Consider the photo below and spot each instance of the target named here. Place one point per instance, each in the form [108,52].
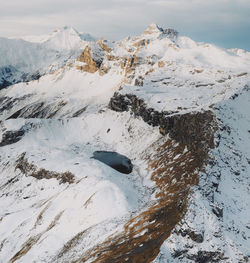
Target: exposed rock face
[30,169]
[7,102]
[102,44]
[196,237]
[155,29]
[7,76]
[92,58]
[91,65]
[172,33]
[201,256]
[10,137]
[142,43]
[129,65]
[39,110]
[139,81]
[193,129]
[29,77]
[4,84]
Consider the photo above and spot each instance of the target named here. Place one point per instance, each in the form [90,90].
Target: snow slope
[54,145]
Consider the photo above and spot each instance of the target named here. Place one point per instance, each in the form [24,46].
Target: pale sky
[222,22]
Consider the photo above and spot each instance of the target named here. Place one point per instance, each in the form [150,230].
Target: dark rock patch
[115,160]
[39,110]
[4,84]
[218,211]
[30,169]
[6,103]
[10,137]
[29,77]
[207,257]
[195,236]
[201,256]
[79,112]
[139,81]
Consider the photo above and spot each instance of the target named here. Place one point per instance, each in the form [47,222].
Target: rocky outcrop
[29,77]
[142,43]
[30,169]
[7,76]
[153,28]
[39,110]
[90,65]
[129,64]
[196,237]
[7,103]
[10,137]
[103,45]
[92,59]
[4,84]
[195,130]
[201,256]
[171,33]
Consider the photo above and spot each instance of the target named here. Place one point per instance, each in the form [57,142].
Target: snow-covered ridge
[67,38]
[67,31]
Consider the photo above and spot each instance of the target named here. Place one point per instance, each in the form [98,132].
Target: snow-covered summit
[66,32]
[67,38]
[153,28]
[155,31]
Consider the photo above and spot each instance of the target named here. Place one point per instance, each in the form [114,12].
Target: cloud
[217,21]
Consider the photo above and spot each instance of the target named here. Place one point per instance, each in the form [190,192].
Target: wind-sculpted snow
[177,113]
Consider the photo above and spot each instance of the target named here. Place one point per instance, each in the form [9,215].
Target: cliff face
[86,57]
[195,129]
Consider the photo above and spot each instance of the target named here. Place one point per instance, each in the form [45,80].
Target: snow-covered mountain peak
[66,38]
[69,28]
[152,31]
[69,31]
[153,28]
